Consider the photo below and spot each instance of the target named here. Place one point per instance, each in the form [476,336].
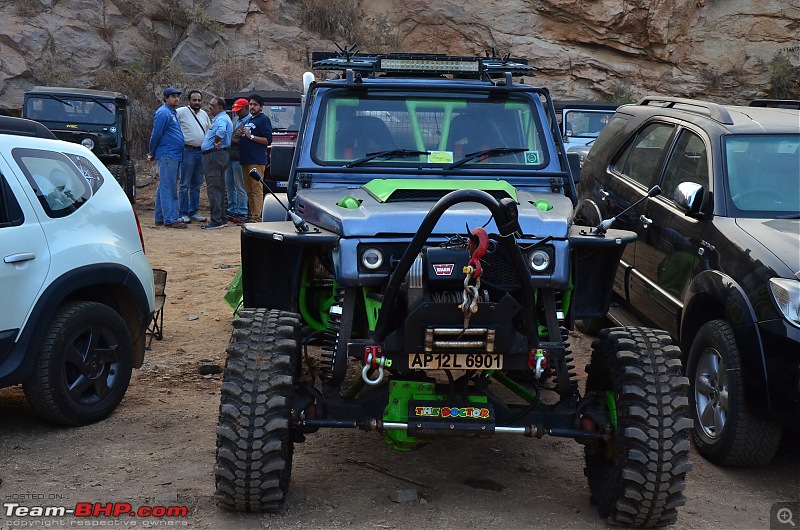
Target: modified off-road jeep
[429,248]
[97,119]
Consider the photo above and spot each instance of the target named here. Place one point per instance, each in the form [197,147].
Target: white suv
[76,291]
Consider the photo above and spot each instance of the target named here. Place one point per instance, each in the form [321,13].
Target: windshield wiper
[65,102]
[389,153]
[494,151]
[102,105]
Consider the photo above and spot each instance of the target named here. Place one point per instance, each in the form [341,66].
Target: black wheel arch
[713,295]
[108,283]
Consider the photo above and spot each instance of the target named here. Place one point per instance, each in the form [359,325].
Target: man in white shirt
[194,124]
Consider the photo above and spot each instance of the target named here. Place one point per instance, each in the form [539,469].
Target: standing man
[234,180]
[254,138]
[215,160]
[166,146]
[194,124]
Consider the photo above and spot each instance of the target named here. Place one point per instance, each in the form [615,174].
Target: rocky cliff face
[612,49]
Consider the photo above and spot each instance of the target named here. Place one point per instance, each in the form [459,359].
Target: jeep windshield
[763,174]
[440,130]
[70,110]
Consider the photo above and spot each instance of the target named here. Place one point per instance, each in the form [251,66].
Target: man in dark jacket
[254,137]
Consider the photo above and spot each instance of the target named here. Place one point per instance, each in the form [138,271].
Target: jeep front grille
[498,272]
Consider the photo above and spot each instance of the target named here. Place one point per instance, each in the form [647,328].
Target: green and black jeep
[429,251]
[99,120]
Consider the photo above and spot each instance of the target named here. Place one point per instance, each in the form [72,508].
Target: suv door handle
[17,258]
[646,221]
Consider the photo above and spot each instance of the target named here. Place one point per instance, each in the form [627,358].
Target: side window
[639,161]
[688,163]
[60,188]
[10,212]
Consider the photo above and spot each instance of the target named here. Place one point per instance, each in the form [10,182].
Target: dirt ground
[158,446]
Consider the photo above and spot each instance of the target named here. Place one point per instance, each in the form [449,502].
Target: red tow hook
[478,249]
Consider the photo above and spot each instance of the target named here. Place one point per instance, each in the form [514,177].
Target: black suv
[717,258]
[98,120]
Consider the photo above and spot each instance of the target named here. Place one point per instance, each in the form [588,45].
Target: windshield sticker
[440,157]
[532,157]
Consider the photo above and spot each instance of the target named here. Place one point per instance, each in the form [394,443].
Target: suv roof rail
[776,103]
[715,111]
[25,127]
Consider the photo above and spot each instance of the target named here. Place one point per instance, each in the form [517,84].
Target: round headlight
[88,143]
[372,259]
[539,260]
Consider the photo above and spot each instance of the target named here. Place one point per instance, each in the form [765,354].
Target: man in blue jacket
[215,147]
[166,146]
[254,137]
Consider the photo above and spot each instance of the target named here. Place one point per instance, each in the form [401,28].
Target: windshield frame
[421,121]
[102,116]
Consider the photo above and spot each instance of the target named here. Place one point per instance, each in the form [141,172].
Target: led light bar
[429,65]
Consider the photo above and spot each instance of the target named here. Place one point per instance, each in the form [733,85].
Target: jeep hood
[374,211]
[778,236]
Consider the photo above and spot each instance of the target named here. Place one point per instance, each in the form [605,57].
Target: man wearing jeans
[215,159]
[254,138]
[194,124]
[166,146]
[234,179]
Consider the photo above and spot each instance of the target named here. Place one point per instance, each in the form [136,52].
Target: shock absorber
[337,333]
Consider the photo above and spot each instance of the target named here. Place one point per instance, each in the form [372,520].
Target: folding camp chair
[155,329]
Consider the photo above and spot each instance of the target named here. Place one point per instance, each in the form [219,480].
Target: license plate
[455,361]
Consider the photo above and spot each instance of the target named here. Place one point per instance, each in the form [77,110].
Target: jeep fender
[272,210]
[109,283]
[713,295]
[272,258]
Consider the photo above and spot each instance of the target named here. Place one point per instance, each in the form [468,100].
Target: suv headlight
[88,143]
[372,259]
[786,294]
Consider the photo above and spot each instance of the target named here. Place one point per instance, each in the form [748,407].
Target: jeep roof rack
[715,111]
[776,103]
[25,127]
[421,64]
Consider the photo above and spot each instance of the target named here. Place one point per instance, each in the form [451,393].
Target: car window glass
[58,185]
[763,171]
[586,123]
[449,127]
[71,110]
[688,163]
[639,161]
[10,211]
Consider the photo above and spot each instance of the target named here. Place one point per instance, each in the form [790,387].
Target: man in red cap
[234,179]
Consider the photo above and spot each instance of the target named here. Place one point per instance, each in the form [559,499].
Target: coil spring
[330,341]
[569,360]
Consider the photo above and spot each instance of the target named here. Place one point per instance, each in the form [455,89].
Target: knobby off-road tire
[637,479]
[84,365]
[130,180]
[120,175]
[725,431]
[254,443]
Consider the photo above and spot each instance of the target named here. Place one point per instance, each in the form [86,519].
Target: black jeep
[98,120]
[430,251]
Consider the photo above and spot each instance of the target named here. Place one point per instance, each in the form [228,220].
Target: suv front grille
[498,272]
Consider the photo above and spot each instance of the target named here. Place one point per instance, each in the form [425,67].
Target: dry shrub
[231,73]
[784,78]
